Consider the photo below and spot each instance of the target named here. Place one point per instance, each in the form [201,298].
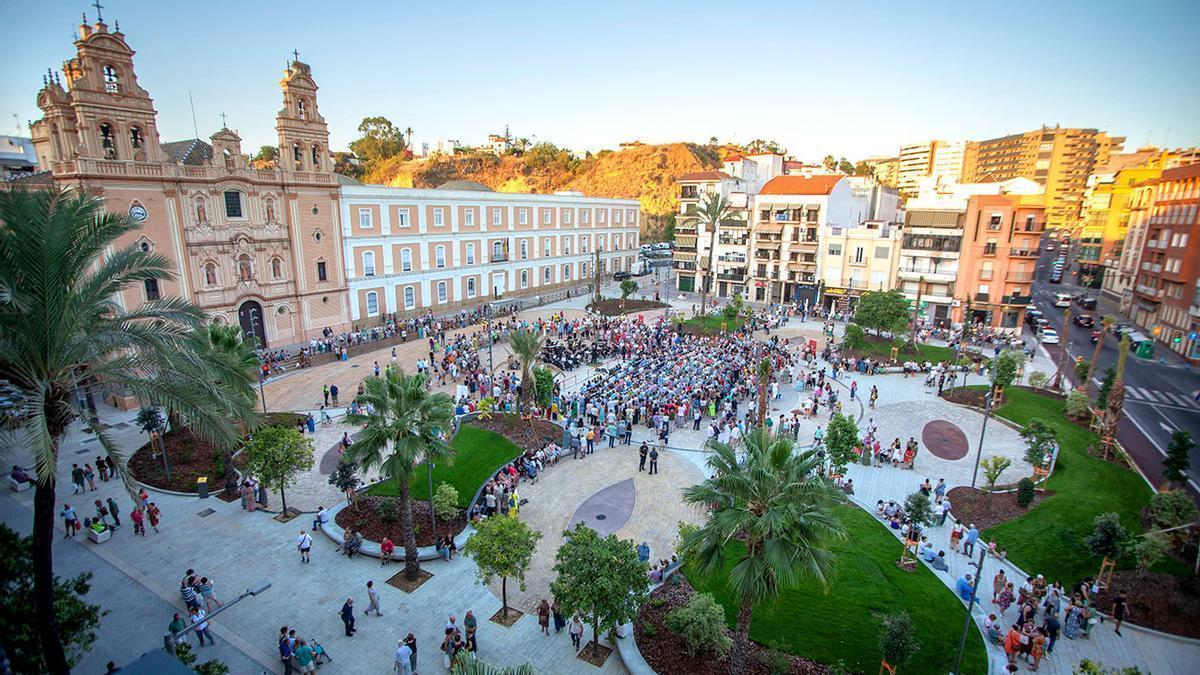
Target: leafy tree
[628,288]
[276,455]
[1177,462]
[1147,550]
[600,579]
[845,166]
[347,164]
[1115,400]
[61,266]
[150,420]
[992,468]
[841,437]
[1106,325]
[1110,375]
[774,502]
[77,620]
[830,162]
[502,547]
[543,379]
[237,372]
[345,479]
[1038,379]
[733,310]
[267,157]
[1025,492]
[380,139]
[1039,442]
[1089,667]
[1172,509]
[1108,538]
[882,311]
[712,211]
[183,652]
[864,169]
[854,338]
[408,425]
[701,624]
[897,638]
[526,344]
[919,509]
[445,501]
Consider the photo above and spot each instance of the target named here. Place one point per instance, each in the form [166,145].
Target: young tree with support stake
[502,547]
[276,455]
[600,579]
[1176,463]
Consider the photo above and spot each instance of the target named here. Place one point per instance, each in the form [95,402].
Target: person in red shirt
[1012,644]
[386,548]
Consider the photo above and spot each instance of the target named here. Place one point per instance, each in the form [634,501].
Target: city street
[1160,393]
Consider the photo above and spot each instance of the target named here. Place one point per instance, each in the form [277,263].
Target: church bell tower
[303,136]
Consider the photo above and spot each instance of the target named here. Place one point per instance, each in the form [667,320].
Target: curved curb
[371,548]
[635,663]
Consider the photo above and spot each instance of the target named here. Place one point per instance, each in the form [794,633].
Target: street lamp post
[254,323]
[962,640]
[171,639]
[432,513]
[987,412]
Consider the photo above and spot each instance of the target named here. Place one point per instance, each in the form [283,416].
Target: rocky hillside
[645,172]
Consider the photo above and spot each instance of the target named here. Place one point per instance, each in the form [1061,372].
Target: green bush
[855,338]
[387,510]
[445,501]
[543,382]
[776,662]
[701,624]
[1077,405]
[649,629]
[1025,492]
[1038,379]
[918,508]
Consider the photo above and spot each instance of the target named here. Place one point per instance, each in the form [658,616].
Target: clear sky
[852,78]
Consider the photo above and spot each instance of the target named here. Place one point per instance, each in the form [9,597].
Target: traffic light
[1178,337]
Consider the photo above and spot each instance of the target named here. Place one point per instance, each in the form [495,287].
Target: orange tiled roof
[1181,172]
[732,158]
[801,185]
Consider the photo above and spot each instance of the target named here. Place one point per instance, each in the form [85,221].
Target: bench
[19,486]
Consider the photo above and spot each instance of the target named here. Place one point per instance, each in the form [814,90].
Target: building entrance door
[250,316]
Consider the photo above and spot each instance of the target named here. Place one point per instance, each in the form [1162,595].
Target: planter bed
[612,306]
[366,521]
[972,506]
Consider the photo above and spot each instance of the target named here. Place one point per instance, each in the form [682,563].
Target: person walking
[653,461]
[556,612]
[412,645]
[347,615]
[77,480]
[70,521]
[112,509]
[969,541]
[470,625]
[372,599]
[139,521]
[1119,606]
[153,514]
[403,661]
[201,625]
[325,393]
[576,631]
[208,594]
[304,544]
[543,614]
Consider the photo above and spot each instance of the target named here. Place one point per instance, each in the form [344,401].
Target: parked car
[1084,320]
[1032,315]
[1062,300]
[1049,336]
[1041,324]
[1087,303]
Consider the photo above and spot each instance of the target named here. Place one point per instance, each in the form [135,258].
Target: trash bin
[202,487]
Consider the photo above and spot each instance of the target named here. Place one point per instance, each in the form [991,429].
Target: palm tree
[714,210]
[407,425]
[1106,325]
[1116,400]
[526,344]
[232,353]
[764,380]
[776,503]
[61,268]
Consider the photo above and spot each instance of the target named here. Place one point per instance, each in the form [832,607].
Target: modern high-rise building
[1058,158]
[940,160]
[1166,295]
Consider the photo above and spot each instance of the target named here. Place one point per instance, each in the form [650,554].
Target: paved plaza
[137,578]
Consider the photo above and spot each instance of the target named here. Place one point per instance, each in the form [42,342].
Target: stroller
[320,656]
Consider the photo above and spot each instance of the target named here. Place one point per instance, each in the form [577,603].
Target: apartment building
[693,239]
[1059,159]
[864,253]
[1166,295]
[1120,280]
[950,261]
[410,251]
[940,160]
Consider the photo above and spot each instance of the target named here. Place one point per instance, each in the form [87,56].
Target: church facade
[260,248]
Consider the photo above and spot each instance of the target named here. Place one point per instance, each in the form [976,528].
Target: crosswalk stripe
[1173,398]
[1156,396]
[1137,393]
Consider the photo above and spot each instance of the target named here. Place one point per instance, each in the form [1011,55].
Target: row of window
[366,217]
[442,288]
[499,253]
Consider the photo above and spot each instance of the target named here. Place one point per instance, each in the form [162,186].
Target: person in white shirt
[321,518]
[403,659]
[304,544]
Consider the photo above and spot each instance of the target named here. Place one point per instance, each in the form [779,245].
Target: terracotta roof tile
[801,185]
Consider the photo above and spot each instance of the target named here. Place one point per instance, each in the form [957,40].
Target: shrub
[649,629]
[1108,538]
[775,661]
[896,640]
[445,501]
[1025,493]
[657,601]
[855,338]
[387,510]
[1038,379]
[918,508]
[1147,550]
[701,623]
[1077,405]
[1172,509]
[1110,376]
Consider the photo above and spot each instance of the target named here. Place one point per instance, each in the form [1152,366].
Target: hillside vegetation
[646,173]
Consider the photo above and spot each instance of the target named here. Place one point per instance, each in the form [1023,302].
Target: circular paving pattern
[616,500]
[945,440]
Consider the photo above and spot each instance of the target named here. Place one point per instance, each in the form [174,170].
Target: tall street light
[962,640]
[254,325]
[987,412]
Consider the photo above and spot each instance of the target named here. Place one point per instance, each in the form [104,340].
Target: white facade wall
[432,250]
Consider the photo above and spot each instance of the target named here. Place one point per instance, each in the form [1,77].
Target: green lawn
[477,455]
[713,322]
[842,625]
[1050,539]
[883,349]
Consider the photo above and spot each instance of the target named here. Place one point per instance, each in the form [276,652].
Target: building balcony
[930,276]
[983,297]
[1019,276]
[499,258]
[739,277]
[682,255]
[802,265]
[1036,226]
[760,254]
[1017,299]
[685,229]
[1023,254]
[1149,293]
[943,252]
[686,265]
[685,249]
